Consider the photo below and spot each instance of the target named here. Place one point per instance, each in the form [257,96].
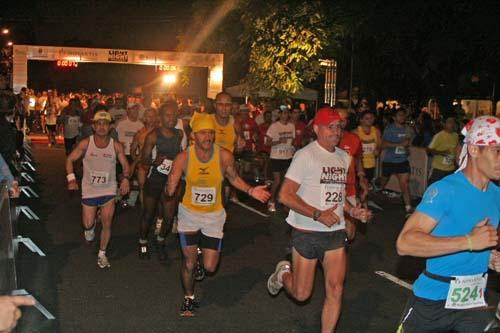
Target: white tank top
[99,173]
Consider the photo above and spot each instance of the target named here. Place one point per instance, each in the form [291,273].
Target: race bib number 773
[99,178]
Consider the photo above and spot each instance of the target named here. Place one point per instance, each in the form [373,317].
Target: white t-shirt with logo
[278,132]
[322,176]
[126,130]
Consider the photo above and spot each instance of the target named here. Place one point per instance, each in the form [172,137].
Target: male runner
[168,143]
[314,190]
[201,213]
[455,227]
[370,142]
[396,141]
[100,153]
[444,148]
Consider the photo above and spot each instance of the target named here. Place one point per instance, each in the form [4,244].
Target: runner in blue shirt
[455,227]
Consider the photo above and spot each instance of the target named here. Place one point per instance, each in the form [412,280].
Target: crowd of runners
[188,162]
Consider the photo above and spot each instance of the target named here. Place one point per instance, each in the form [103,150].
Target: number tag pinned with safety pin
[467,292]
[203,196]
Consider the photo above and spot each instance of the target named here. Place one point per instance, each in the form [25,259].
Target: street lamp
[9,43]
[169,78]
[5,31]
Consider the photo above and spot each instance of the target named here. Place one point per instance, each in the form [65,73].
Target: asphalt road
[144,296]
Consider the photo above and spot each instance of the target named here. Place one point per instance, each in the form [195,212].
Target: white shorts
[210,224]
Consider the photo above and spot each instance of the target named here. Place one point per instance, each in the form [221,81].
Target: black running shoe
[162,251]
[188,306]
[144,251]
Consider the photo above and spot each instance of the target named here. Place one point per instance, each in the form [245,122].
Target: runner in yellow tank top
[370,141]
[201,215]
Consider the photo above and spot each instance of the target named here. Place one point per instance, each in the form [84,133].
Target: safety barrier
[9,237]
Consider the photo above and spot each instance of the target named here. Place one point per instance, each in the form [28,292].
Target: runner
[280,136]
[444,148]
[263,150]
[396,141]
[150,123]
[227,130]
[167,141]
[100,153]
[455,227]
[250,132]
[300,129]
[201,213]
[314,190]
[370,141]
[70,120]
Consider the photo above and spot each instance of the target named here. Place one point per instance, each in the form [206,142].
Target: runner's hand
[361,213]
[328,217]
[260,193]
[483,235]
[494,263]
[124,186]
[73,186]
[9,310]
[14,191]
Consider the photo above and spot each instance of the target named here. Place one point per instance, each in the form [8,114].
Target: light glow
[169,78]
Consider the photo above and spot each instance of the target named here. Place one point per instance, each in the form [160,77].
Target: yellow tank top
[369,143]
[203,182]
[225,136]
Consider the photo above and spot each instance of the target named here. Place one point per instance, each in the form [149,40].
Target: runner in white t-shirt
[128,127]
[314,190]
[280,136]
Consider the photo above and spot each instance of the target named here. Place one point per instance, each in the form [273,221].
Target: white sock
[143,241]
[408,208]
[102,253]
[190,297]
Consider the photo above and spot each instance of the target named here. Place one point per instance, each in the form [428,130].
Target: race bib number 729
[203,196]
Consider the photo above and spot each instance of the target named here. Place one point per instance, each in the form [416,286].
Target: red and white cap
[481,131]
[326,116]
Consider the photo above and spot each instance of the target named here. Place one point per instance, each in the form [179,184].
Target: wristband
[71,178]
[469,242]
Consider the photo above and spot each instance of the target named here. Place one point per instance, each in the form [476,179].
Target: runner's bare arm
[147,149]
[178,167]
[135,154]
[259,192]
[416,240]
[120,155]
[76,154]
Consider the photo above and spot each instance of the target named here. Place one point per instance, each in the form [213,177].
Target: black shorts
[155,185]
[51,128]
[438,175]
[280,165]
[313,244]
[201,240]
[423,315]
[370,174]
[69,144]
[245,155]
[389,168]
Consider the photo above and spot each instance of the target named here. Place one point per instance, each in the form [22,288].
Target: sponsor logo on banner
[118,55]
[80,53]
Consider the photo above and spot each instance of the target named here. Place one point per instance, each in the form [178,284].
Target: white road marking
[394,279]
[249,208]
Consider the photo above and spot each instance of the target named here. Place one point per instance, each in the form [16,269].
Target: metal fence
[8,279]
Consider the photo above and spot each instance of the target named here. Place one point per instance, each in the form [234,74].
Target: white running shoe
[275,281]
[89,234]
[102,261]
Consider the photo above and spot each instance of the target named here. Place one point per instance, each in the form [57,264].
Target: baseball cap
[326,116]
[102,115]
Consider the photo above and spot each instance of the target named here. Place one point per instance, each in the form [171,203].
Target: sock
[190,297]
[143,241]
[102,253]
[408,208]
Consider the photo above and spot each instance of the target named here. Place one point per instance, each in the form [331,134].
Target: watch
[316,214]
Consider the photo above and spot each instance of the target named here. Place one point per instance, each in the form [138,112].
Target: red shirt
[300,132]
[249,129]
[261,146]
[351,143]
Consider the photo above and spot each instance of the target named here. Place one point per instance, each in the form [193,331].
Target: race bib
[99,178]
[165,167]
[332,194]
[203,196]
[448,160]
[400,150]
[284,150]
[368,148]
[246,135]
[467,292]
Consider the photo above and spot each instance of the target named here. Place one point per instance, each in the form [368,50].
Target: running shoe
[271,207]
[275,281]
[144,251]
[162,251]
[188,306]
[199,271]
[89,234]
[102,261]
